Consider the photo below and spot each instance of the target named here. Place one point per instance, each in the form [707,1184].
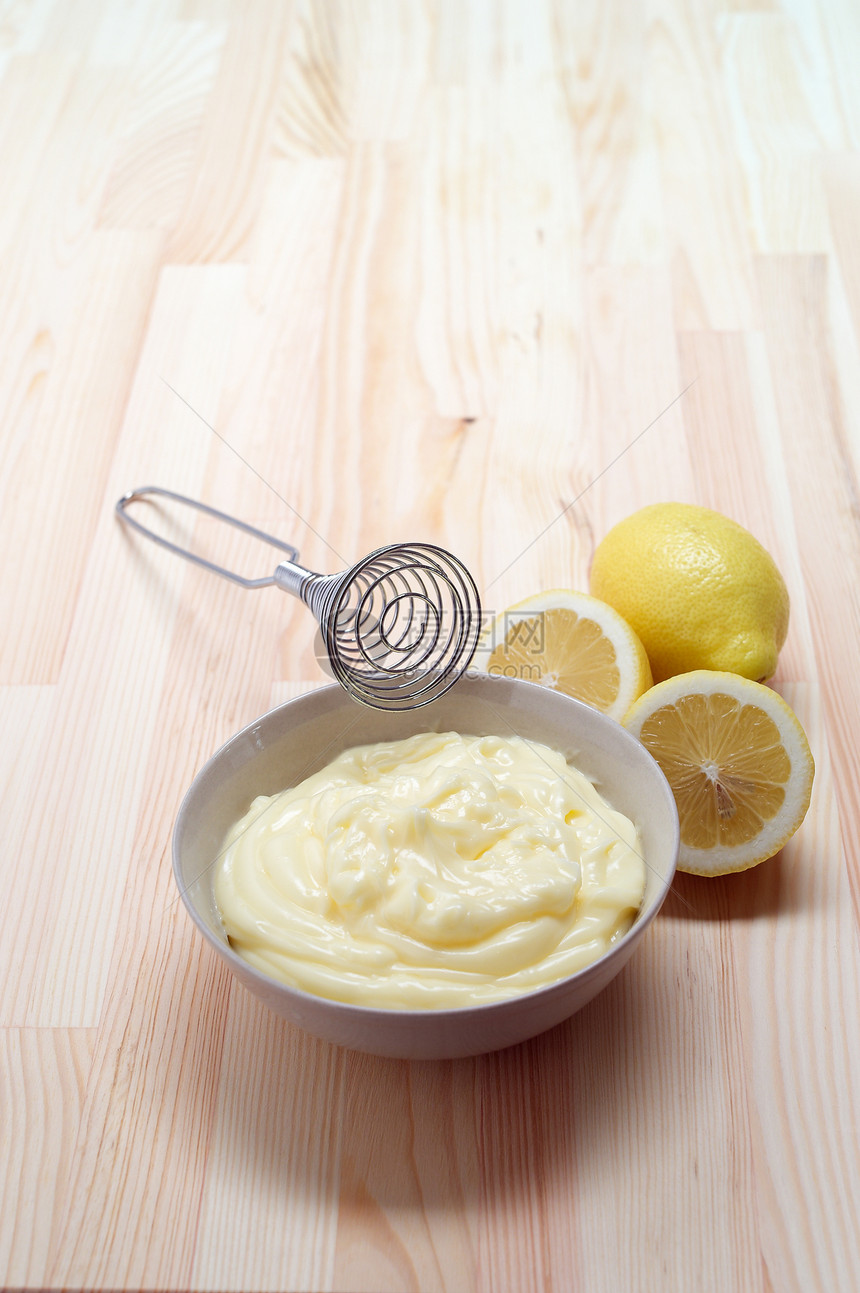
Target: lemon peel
[699,590]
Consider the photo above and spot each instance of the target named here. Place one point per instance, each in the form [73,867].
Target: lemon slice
[573,643]
[737,760]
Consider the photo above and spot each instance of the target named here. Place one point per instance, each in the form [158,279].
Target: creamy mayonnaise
[433,872]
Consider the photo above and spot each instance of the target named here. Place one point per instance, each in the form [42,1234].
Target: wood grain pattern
[491,274]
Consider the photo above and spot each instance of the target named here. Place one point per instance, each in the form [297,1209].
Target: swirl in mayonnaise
[435,872]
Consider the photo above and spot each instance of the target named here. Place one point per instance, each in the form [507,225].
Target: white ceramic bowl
[297,738]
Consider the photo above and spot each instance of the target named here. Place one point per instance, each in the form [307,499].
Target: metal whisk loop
[400,627]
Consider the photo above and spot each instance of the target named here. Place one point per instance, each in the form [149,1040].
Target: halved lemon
[573,643]
[737,760]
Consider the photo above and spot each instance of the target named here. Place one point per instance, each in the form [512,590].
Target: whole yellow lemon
[699,590]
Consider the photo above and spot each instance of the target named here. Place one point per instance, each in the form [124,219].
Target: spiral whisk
[399,627]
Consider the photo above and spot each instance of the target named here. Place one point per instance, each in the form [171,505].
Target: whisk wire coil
[400,626]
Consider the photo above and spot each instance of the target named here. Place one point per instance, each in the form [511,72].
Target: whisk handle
[147,491]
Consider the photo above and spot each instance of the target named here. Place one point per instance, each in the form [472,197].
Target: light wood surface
[440,269]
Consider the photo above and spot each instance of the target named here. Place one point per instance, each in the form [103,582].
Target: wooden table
[492,275]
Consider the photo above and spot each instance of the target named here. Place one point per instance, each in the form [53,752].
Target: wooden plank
[630,1105]
[797,300]
[598,48]
[409,1185]
[124,613]
[229,166]
[74,359]
[155,147]
[277,1128]
[701,178]
[778,133]
[796,949]
[43,1073]
[842,186]
[731,395]
[632,445]
[152,1094]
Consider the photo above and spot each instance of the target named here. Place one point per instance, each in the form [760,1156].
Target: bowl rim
[331,1005]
